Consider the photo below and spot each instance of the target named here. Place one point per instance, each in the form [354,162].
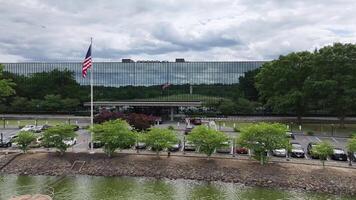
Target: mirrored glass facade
[117,74]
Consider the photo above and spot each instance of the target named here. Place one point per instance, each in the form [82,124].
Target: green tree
[207,139]
[322,150]
[57,135]
[351,147]
[70,104]
[52,102]
[262,138]
[20,104]
[247,85]
[281,83]
[332,83]
[114,135]
[159,139]
[24,139]
[6,85]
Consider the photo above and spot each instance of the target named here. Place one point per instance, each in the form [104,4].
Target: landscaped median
[281,175]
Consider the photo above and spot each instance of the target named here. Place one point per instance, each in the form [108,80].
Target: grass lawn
[15,123]
[307,127]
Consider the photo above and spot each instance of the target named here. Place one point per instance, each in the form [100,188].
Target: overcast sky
[198,30]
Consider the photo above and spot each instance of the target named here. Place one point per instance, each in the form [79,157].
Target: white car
[71,142]
[280,152]
[29,128]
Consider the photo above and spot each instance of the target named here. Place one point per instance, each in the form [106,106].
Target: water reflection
[107,188]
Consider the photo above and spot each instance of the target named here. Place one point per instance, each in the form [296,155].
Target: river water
[105,188]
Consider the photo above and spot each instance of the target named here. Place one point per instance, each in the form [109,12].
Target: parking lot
[83,140]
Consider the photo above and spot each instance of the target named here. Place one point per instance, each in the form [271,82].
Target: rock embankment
[283,175]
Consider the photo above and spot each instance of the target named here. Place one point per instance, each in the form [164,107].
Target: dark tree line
[324,80]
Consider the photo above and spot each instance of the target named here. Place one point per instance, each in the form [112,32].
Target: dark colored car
[310,147]
[175,147]
[97,144]
[339,154]
[196,121]
[297,150]
[241,150]
[5,142]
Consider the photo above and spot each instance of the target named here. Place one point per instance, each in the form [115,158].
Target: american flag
[87,63]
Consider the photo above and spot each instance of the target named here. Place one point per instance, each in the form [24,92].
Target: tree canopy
[115,134]
[24,139]
[159,139]
[262,138]
[207,139]
[6,85]
[332,83]
[281,83]
[57,135]
[322,150]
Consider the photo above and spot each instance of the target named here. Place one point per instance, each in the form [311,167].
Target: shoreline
[331,180]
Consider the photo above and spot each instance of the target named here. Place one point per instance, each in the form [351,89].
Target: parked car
[189,146]
[242,150]
[96,144]
[140,145]
[297,150]
[196,121]
[175,147]
[40,128]
[5,142]
[28,128]
[310,147]
[353,157]
[279,152]
[290,135]
[70,142]
[339,154]
[225,148]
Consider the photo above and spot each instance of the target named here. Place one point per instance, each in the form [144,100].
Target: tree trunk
[342,121]
[323,161]
[299,119]
[157,154]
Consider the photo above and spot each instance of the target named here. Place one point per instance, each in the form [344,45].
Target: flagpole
[91,99]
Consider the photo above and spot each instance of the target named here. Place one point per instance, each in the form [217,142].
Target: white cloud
[166,29]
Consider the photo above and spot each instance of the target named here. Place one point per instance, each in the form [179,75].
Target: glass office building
[117,74]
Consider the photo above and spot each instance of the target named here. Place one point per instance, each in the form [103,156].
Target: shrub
[140,121]
[57,135]
[323,150]
[160,139]
[262,138]
[170,127]
[207,139]
[24,139]
[107,116]
[115,134]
